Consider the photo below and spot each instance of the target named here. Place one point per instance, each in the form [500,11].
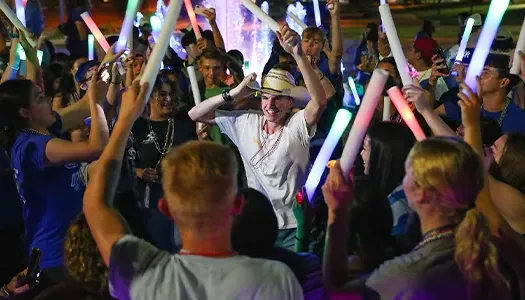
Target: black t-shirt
[148,155]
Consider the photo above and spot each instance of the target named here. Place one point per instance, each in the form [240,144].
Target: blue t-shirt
[51,195]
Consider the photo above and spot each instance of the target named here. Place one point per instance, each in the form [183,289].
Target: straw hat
[281,83]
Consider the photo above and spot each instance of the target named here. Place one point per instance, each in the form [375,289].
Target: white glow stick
[362,119]
[127,25]
[317,13]
[497,9]
[406,113]
[91,47]
[62,11]
[156,27]
[40,56]
[351,83]
[464,40]
[382,2]
[520,46]
[342,118]
[297,20]
[152,67]
[129,44]
[193,19]
[261,15]
[15,21]
[20,11]
[194,85]
[395,44]
[387,110]
[96,31]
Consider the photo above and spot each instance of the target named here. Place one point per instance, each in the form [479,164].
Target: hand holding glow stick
[261,15]
[341,121]
[193,19]
[96,31]
[362,119]
[15,21]
[297,20]
[155,59]
[395,44]
[520,46]
[351,83]
[127,25]
[464,40]
[406,113]
[497,9]
[194,85]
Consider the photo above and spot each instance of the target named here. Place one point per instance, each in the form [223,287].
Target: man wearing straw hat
[274,143]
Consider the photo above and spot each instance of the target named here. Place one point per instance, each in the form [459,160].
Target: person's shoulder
[266,267]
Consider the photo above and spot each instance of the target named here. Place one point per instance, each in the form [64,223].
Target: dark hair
[428,27]
[392,61]
[373,35]
[236,54]
[14,95]
[212,54]
[255,230]
[490,131]
[513,160]
[189,37]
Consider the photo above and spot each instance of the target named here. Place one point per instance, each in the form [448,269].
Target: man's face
[412,54]
[212,70]
[161,101]
[490,80]
[138,61]
[274,107]
[92,71]
[312,44]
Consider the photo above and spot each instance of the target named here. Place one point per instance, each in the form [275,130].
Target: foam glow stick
[395,44]
[20,11]
[382,2]
[152,67]
[62,11]
[91,47]
[193,19]
[194,85]
[156,26]
[362,119]
[387,113]
[317,13]
[464,40]
[297,20]
[520,46]
[497,9]
[406,113]
[40,56]
[15,21]
[261,15]
[342,118]
[127,25]
[351,83]
[95,31]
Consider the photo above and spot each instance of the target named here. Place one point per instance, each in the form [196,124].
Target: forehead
[210,62]
[164,87]
[267,96]
[313,35]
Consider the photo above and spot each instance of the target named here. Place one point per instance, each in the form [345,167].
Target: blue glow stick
[497,9]
[464,40]
[91,47]
[341,121]
[351,83]
[317,13]
[127,25]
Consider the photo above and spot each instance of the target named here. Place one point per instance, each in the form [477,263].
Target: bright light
[351,83]
[464,39]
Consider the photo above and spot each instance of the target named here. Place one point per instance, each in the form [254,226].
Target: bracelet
[13,68]
[5,291]
[226,96]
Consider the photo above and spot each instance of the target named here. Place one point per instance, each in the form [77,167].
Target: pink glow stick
[193,19]
[362,119]
[406,113]
[96,31]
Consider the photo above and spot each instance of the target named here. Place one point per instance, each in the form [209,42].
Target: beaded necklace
[442,233]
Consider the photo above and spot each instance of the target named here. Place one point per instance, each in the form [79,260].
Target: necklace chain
[257,163]
[168,141]
[435,236]
[503,113]
[34,131]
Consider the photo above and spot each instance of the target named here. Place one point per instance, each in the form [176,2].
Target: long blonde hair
[451,172]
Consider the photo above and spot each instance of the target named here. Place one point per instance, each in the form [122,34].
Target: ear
[83,86]
[418,54]
[504,82]
[238,204]
[163,208]
[24,112]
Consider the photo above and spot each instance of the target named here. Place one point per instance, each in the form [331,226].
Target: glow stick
[261,15]
[193,19]
[91,47]
[395,44]
[40,55]
[20,11]
[406,113]
[351,83]
[62,11]
[127,25]
[317,13]
[382,2]
[520,46]
[156,26]
[464,40]
[129,44]
[297,20]
[95,31]
[15,21]
[362,119]
[342,118]
[152,67]
[497,9]
[194,85]
[387,112]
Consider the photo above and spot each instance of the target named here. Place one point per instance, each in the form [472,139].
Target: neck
[432,220]
[41,129]
[421,66]
[158,117]
[273,127]
[494,102]
[217,244]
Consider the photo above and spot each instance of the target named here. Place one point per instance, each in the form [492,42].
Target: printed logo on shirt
[150,139]
[76,181]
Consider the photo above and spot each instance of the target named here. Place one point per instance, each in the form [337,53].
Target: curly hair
[83,260]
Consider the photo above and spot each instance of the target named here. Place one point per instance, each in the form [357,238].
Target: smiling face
[161,101]
[275,108]
[212,71]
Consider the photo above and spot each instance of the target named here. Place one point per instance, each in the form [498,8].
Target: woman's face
[498,148]
[39,111]
[365,154]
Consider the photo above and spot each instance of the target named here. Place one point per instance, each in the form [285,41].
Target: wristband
[13,68]
[226,96]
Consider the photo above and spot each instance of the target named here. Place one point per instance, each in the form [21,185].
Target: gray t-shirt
[429,272]
[138,270]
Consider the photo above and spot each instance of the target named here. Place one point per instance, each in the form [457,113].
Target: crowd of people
[132,191]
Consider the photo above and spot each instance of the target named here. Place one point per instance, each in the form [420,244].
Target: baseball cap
[83,69]
[426,46]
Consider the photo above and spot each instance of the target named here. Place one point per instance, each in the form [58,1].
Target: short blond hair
[199,180]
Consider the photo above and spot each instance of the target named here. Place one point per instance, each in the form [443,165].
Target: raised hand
[438,64]
[470,104]
[31,52]
[244,88]
[111,56]
[211,15]
[421,98]
[337,192]
[289,40]
[333,7]
[134,101]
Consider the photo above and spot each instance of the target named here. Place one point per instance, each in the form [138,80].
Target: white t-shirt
[138,270]
[279,169]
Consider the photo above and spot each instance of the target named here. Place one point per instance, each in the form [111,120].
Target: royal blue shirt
[51,195]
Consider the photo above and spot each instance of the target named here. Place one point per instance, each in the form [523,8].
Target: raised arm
[337,37]
[11,72]
[217,36]
[205,111]
[104,222]
[317,104]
